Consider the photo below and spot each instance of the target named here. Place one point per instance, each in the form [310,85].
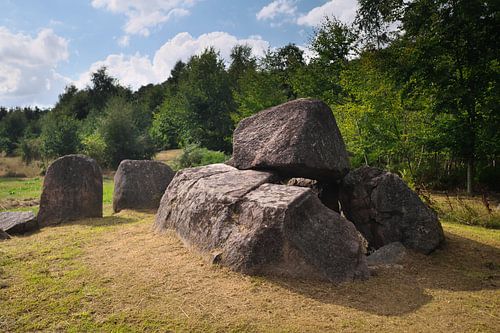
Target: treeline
[421,99]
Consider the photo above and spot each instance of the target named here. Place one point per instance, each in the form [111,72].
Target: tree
[376,21]
[448,52]
[73,103]
[242,61]
[453,47]
[122,137]
[334,43]
[258,90]
[284,63]
[59,136]
[12,128]
[200,109]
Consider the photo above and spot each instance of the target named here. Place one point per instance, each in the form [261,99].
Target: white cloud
[28,67]
[124,41]
[143,15]
[344,10]
[277,8]
[137,70]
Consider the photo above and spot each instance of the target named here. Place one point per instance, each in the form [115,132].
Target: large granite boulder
[297,139]
[256,227]
[385,210]
[18,222]
[72,189]
[140,184]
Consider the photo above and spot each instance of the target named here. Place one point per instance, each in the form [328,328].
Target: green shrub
[30,150]
[59,136]
[193,155]
[93,145]
[123,138]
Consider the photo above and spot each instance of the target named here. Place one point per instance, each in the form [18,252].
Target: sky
[47,45]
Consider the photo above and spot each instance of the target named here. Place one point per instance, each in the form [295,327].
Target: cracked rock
[385,210]
[18,222]
[257,227]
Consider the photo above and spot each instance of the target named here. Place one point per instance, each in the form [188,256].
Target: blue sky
[46,45]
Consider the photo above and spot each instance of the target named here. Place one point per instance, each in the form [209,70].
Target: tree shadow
[106,221]
[461,265]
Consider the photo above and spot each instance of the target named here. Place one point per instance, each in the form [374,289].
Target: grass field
[114,274]
[21,194]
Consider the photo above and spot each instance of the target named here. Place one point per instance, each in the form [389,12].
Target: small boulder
[18,222]
[296,139]
[255,227]
[385,210]
[387,255]
[140,184]
[72,189]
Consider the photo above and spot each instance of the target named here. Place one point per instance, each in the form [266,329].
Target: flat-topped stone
[140,184]
[18,222]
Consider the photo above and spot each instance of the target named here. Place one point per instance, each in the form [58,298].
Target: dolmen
[278,205]
[72,189]
[140,184]
[254,226]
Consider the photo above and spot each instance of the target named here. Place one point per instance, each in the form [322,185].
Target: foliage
[59,136]
[193,155]
[413,86]
[12,130]
[122,137]
[199,110]
[93,145]
[31,150]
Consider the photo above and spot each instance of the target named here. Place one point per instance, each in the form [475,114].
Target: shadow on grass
[106,221]
[462,265]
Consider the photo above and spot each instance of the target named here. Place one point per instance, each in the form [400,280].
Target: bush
[93,145]
[30,150]
[59,136]
[193,155]
[123,138]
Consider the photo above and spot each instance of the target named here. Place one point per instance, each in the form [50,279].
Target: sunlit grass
[114,274]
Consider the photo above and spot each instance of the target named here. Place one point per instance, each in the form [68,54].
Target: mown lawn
[114,275]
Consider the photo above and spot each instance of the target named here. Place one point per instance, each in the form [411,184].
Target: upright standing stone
[297,139]
[140,184]
[385,210]
[72,189]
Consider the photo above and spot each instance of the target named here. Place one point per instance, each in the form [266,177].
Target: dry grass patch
[15,167]
[168,156]
[455,289]
[114,274]
[469,210]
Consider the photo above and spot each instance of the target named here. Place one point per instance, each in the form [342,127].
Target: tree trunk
[470,167]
